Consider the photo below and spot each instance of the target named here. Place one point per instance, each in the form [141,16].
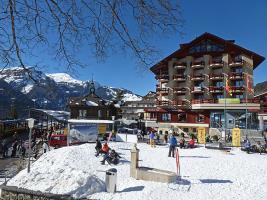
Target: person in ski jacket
[111,158]
[173,144]
[191,143]
[182,143]
[247,146]
[45,147]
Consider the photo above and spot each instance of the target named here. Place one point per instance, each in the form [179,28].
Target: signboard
[65,131]
[229,100]
[201,135]
[102,128]
[236,137]
[83,132]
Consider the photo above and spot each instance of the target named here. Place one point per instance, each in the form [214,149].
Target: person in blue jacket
[247,146]
[173,144]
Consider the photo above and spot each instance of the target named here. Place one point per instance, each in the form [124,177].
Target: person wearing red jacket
[191,143]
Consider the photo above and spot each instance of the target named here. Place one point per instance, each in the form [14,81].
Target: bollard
[111,180]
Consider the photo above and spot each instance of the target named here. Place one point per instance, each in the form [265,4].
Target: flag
[249,83]
[227,86]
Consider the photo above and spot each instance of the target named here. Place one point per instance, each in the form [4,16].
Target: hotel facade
[208,82]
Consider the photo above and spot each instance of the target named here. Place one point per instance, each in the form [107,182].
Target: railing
[163,90]
[234,89]
[179,77]
[198,64]
[236,62]
[216,63]
[180,65]
[236,75]
[179,90]
[216,88]
[214,76]
[163,103]
[179,103]
[196,89]
[163,76]
[198,77]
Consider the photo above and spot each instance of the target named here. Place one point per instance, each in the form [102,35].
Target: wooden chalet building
[208,82]
[91,106]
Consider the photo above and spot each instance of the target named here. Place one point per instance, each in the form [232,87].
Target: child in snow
[111,158]
[98,147]
[191,143]
[45,147]
[182,143]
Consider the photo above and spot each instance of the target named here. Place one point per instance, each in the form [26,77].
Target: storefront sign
[201,135]
[236,137]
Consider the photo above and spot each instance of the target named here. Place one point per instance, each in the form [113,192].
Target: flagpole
[224,107]
[246,103]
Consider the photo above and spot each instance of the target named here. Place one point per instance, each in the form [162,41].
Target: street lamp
[113,125]
[30,125]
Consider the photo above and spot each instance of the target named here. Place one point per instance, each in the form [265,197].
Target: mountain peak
[64,78]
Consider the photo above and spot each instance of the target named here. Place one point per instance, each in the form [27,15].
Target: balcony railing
[197,65]
[179,65]
[163,77]
[236,75]
[216,76]
[197,89]
[196,77]
[163,91]
[179,77]
[179,103]
[236,62]
[163,103]
[237,89]
[179,90]
[216,89]
[216,63]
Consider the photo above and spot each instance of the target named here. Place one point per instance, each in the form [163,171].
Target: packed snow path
[206,174]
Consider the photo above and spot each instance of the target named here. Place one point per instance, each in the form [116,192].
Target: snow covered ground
[206,174]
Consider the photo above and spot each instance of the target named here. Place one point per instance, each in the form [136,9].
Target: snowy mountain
[53,90]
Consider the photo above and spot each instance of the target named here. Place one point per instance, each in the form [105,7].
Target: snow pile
[69,170]
[64,78]
[91,103]
[206,174]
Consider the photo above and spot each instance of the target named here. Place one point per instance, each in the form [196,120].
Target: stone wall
[15,193]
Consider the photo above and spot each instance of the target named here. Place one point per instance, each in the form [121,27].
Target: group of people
[258,147]
[182,144]
[109,155]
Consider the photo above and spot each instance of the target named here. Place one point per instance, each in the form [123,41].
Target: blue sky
[245,21]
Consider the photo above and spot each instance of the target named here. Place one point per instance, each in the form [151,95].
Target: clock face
[92,90]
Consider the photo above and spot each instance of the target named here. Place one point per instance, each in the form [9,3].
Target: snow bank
[206,174]
[69,170]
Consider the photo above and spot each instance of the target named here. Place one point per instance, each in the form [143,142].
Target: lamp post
[30,125]
[113,125]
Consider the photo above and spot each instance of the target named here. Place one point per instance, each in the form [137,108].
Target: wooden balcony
[216,76]
[197,89]
[162,91]
[198,65]
[236,75]
[237,89]
[163,77]
[179,103]
[179,90]
[199,77]
[180,65]
[163,103]
[236,63]
[216,89]
[216,63]
[201,101]
[179,77]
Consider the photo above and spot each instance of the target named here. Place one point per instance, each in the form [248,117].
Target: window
[185,130]
[200,118]
[99,113]
[239,83]
[182,117]
[82,113]
[166,117]
[194,130]
[206,46]
[219,84]
[238,70]
[239,96]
